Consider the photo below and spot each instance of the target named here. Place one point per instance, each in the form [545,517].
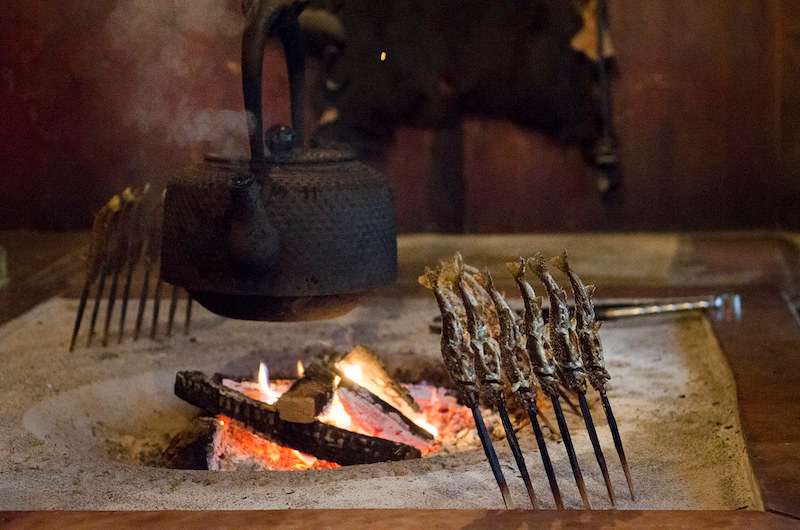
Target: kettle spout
[254,242]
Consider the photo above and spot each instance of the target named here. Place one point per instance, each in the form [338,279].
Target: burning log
[321,440]
[373,376]
[308,396]
[362,378]
[379,416]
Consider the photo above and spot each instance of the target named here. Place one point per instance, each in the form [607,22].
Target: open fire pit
[88,430]
[342,410]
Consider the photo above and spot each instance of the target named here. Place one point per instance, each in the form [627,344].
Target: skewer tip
[598,450]
[491,456]
[570,449]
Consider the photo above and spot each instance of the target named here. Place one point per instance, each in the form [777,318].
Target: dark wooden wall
[703,106]
[97,94]
[787,89]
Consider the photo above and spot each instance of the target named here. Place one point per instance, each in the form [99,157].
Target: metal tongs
[722,306]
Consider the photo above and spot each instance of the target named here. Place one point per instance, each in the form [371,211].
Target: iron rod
[513,444]
[491,456]
[573,459]
[612,424]
[598,450]
[546,462]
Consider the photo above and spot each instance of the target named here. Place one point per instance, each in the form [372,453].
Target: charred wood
[354,393]
[376,373]
[308,396]
[315,438]
[189,449]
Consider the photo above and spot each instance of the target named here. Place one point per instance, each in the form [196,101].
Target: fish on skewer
[95,259]
[151,257]
[125,229]
[563,341]
[587,329]
[538,349]
[135,244]
[118,253]
[159,281]
[109,238]
[460,365]
[480,312]
[517,368]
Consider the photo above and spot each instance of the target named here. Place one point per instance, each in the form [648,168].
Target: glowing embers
[235,447]
[364,400]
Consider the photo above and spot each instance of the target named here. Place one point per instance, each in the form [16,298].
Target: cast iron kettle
[293,235]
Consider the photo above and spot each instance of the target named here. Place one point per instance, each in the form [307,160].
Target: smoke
[185,69]
[221,129]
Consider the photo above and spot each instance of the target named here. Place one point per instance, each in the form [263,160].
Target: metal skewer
[135,243]
[538,350]
[81,308]
[491,456]
[188,320]
[486,351]
[461,367]
[612,424]
[591,351]
[598,450]
[729,304]
[545,454]
[142,301]
[173,304]
[568,360]
[517,368]
[726,306]
[112,296]
[155,242]
[513,444]
[563,429]
[126,290]
[150,261]
[156,308]
[118,253]
[98,297]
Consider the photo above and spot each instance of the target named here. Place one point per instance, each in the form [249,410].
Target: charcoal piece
[189,449]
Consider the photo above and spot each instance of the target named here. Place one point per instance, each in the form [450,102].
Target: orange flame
[440,413]
[355,373]
[336,415]
[268,395]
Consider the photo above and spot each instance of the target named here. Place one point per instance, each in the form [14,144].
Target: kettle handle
[266,18]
